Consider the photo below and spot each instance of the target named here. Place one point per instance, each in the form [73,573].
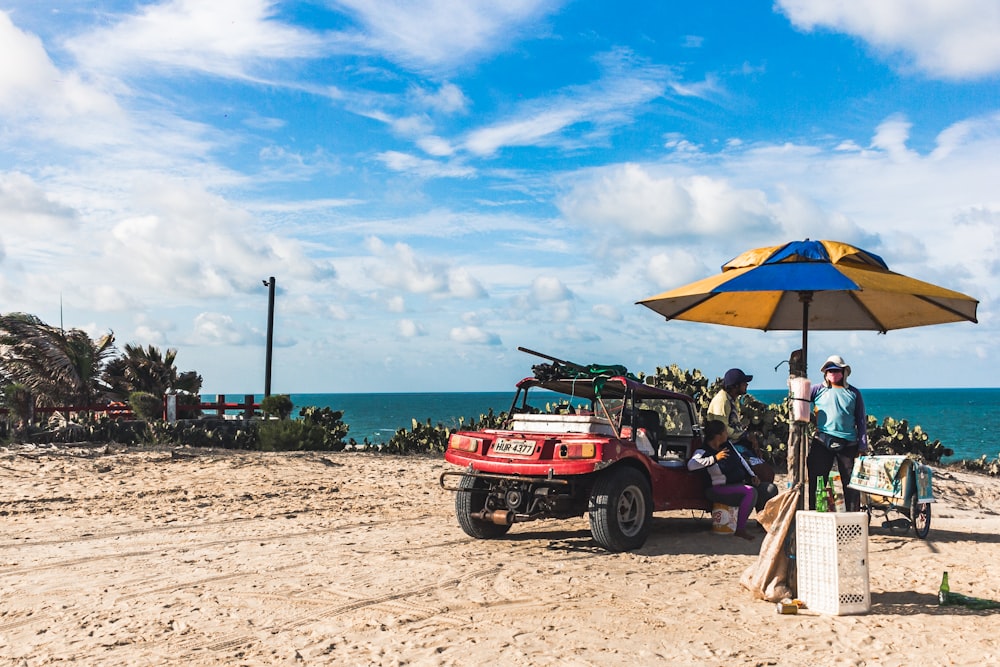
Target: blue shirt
[840,412]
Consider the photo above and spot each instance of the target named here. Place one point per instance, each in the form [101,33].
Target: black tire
[866,507]
[469,502]
[920,517]
[621,509]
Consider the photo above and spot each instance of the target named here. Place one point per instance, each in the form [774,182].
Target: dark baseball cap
[735,376]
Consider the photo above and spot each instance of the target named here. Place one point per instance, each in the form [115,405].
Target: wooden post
[270,335]
[220,408]
[247,406]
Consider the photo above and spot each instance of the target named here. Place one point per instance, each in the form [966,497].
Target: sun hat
[836,361]
[735,376]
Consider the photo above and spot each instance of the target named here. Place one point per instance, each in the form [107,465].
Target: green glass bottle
[944,590]
[821,495]
[946,597]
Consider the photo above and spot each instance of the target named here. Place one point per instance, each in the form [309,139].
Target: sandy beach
[114,556]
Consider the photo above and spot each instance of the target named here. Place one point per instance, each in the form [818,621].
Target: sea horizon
[964,419]
[205,393]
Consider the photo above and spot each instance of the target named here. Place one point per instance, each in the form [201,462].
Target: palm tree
[147,369]
[58,367]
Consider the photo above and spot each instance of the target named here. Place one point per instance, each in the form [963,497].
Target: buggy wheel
[472,501]
[920,517]
[620,510]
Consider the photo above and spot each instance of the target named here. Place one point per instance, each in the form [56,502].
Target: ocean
[963,419]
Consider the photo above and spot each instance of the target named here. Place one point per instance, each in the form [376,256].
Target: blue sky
[435,183]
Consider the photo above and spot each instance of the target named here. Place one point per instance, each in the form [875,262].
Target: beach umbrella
[812,285]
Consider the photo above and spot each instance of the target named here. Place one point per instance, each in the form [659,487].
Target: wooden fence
[171,409]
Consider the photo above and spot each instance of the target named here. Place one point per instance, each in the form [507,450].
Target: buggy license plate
[515,447]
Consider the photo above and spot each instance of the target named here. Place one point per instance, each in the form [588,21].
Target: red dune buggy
[608,446]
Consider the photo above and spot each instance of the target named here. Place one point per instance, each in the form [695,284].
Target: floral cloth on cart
[889,476]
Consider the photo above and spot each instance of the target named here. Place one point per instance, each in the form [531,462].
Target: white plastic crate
[831,556]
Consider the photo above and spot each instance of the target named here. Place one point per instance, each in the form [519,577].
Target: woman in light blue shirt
[841,429]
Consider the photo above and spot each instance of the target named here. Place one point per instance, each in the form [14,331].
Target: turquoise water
[962,419]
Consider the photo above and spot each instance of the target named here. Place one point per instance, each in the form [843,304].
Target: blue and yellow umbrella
[818,285]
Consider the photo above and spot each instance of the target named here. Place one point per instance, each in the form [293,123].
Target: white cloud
[27,209]
[422,167]
[109,298]
[633,198]
[473,335]
[462,285]
[148,335]
[219,329]
[222,37]
[337,312]
[522,131]
[396,304]
[607,311]
[891,137]
[435,146]
[399,266]
[409,329]
[624,87]
[191,241]
[45,99]
[443,34]
[549,289]
[448,98]
[675,266]
[952,39]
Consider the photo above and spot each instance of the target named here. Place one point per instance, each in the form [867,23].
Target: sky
[435,183]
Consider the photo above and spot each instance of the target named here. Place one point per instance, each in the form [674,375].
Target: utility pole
[270,335]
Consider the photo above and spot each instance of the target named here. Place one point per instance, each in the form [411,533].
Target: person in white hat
[841,429]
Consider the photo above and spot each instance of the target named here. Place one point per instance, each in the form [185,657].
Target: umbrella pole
[806,298]
[802,439]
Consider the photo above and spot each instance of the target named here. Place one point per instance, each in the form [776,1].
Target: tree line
[46,366]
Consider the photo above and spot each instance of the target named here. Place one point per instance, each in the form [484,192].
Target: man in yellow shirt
[725,405]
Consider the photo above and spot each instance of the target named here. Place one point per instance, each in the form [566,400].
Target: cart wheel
[920,517]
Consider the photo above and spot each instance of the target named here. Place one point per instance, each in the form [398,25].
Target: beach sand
[114,556]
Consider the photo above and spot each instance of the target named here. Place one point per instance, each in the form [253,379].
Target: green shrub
[982,465]
[188,399]
[894,436]
[146,406]
[423,438]
[17,399]
[278,405]
[288,435]
[331,421]
[216,433]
